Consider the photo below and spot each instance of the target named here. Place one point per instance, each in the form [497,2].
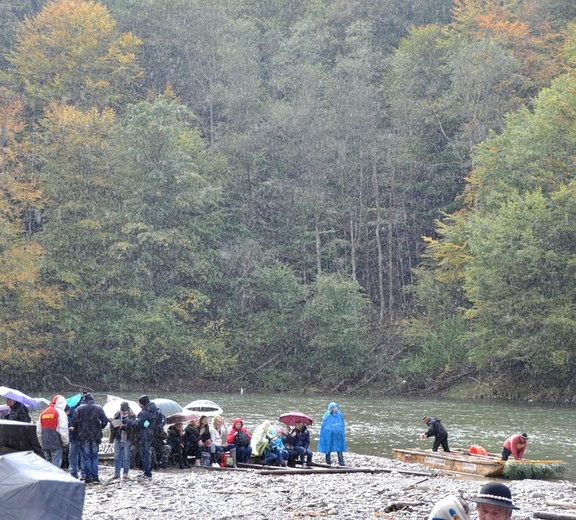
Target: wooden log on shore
[338,470]
[220,468]
[553,516]
[320,465]
[562,505]
[378,470]
[317,468]
[262,466]
[401,506]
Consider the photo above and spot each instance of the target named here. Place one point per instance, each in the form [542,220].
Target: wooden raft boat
[463,462]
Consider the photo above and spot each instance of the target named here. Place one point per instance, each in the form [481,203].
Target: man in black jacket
[18,412]
[88,421]
[145,424]
[436,429]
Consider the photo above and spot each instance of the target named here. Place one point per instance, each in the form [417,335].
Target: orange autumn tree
[72,53]
[26,304]
[517,27]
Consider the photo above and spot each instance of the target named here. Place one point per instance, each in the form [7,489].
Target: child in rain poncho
[260,439]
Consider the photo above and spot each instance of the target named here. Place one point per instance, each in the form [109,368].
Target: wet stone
[222,495]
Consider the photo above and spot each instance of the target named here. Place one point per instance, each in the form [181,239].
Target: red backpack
[226,460]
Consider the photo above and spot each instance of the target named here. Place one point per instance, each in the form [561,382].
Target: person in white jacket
[450,508]
[52,430]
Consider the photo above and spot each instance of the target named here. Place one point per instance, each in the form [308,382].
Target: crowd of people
[70,437]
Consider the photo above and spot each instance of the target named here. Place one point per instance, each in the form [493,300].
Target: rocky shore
[401,492]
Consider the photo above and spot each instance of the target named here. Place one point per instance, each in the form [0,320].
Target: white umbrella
[113,406]
[204,407]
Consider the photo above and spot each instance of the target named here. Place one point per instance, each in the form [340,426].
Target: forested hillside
[332,195]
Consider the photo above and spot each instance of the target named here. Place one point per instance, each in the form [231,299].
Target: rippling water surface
[376,425]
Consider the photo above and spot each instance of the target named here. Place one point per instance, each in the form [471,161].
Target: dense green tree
[505,264]
[336,327]
[265,313]
[132,228]
[27,303]
[521,281]
[168,242]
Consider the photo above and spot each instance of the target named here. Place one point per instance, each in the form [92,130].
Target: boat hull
[462,462]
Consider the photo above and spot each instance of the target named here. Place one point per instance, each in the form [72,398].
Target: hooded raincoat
[52,427]
[332,431]
[260,438]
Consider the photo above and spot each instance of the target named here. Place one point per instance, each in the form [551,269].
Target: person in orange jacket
[52,430]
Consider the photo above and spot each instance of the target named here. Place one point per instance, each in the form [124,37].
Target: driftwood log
[379,470]
[317,468]
[562,505]
[323,471]
[401,506]
[553,516]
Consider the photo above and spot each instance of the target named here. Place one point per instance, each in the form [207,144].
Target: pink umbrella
[183,416]
[291,418]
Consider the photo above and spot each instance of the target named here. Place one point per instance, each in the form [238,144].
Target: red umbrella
[183,416]
[291,418]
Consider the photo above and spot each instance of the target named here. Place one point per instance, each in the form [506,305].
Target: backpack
[159,423]
[226,460]
[241,439]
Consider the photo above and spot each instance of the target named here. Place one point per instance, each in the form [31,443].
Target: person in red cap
[494,502]
[515,445]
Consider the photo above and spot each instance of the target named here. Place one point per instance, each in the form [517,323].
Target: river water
[375,425]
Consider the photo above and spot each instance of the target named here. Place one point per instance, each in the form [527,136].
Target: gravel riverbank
[221,494]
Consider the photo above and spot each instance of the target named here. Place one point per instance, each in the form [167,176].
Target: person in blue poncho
[333,434]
